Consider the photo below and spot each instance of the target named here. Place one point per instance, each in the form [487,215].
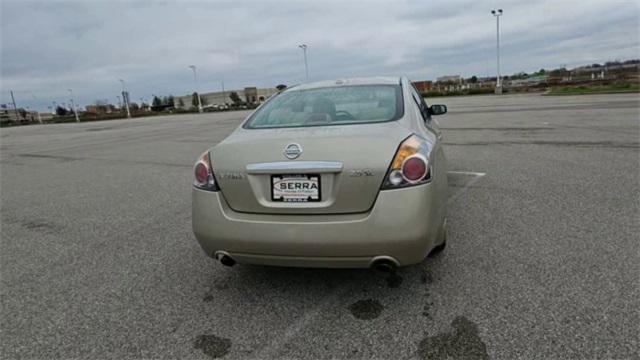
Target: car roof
[378,80]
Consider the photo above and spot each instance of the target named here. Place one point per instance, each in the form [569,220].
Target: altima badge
[360,172]
[292,151]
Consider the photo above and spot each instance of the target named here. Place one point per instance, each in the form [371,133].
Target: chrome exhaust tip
[385,264]
[225,259]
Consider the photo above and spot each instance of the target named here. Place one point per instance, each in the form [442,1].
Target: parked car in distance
[346,173]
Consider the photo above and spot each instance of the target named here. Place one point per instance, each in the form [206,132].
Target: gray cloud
[47,47]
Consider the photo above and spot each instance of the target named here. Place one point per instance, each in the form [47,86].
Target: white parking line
[477,176]
[480,174]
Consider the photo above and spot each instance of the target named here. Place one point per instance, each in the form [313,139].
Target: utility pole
[497,14]
[73,106]
[195,81]
[125,98]
[224,97]
[15,108]
[37,112]
[306,67]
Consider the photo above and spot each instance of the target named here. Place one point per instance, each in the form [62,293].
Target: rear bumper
[403,224]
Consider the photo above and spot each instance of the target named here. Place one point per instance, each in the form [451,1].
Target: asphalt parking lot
[543,260]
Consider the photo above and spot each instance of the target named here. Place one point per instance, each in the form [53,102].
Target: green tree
[157,102]
[180,103]
[235,98]
[474,79]
[194,99]
[60,111]
[171,101]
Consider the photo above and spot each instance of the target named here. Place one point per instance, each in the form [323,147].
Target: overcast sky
[50,46]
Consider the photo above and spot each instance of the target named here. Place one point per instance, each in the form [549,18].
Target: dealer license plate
[295,188]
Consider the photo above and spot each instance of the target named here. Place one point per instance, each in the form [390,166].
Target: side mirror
[437,109]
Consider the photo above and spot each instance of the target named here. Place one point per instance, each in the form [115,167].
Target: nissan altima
[346,173]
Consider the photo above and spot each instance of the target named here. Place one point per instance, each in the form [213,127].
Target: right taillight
[410,165]
[203,174]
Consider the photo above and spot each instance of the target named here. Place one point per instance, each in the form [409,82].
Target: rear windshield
[330,106]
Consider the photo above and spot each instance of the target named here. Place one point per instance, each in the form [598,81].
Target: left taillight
[410,165]
[203,174]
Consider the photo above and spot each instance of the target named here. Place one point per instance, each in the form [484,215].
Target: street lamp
[73,106]
[195,81]
[306,67]
[37,112]
[224,97]
[497,14]
[125,98]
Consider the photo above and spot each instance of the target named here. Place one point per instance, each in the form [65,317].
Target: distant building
[20,116]
[529,81]
[450,79]
[251,95]
[100,109]
[424,85]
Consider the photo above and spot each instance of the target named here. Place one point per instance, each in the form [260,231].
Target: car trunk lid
[347,164]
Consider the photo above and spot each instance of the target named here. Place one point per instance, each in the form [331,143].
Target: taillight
[414,168]
[203,174]
[410,166]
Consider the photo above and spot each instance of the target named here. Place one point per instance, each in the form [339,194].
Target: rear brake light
[414,168]
[203,174]
[410,166]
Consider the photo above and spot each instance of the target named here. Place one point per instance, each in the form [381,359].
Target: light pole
[125,98]
[306,67]
[224,98]
[195,81]
[73,106]
[497,14]
[37,112]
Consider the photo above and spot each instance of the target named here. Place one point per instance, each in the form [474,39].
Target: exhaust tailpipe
[225,259]
[385,264]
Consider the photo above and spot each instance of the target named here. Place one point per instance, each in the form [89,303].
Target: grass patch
[596,89]
[476,91]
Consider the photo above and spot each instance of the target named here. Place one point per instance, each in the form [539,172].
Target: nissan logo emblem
[292,151]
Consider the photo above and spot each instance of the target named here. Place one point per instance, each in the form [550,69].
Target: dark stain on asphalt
[426,308]
[39,226]
[366,309]
[222,286]
[394,280]
[212,346]
[426,277]
[537,128]
[578,144]
[463,342]
[57,158]
[208,298]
